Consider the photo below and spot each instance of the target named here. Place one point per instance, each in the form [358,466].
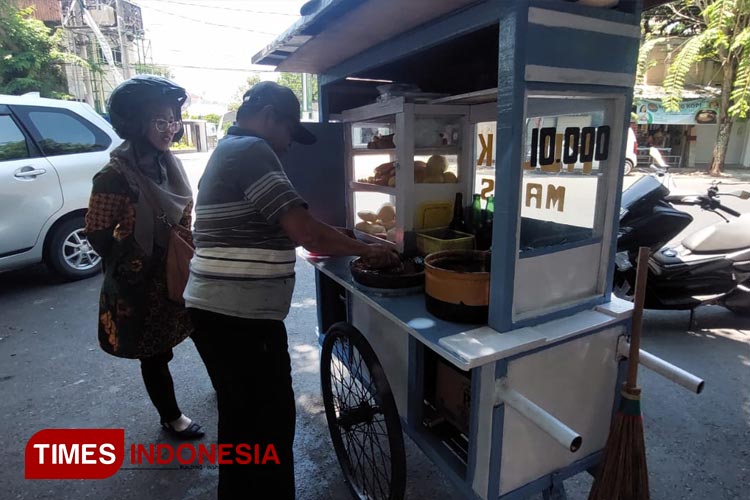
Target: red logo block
[75,453]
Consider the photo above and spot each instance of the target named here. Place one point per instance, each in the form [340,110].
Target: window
[61,132]
[567,144]
[12,142]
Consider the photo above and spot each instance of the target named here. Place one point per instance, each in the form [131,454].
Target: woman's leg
[158,380]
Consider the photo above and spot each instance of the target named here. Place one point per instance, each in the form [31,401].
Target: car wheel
[69,254]
[628,168]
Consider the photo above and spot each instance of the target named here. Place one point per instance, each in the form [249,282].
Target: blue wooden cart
[528,100]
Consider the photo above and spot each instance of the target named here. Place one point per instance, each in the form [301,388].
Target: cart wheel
[362,416]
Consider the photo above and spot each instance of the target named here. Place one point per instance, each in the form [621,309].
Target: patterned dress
[136,319]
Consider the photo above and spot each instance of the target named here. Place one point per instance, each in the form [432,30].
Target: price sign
[550,150]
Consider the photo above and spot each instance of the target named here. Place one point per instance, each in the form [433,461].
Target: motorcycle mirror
[743,195]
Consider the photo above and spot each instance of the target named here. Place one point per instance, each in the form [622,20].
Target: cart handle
[563,434]
[663,368]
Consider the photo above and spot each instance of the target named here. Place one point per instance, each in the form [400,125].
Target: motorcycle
[710,266]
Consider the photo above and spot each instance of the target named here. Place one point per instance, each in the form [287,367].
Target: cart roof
[340,29]
[336,30]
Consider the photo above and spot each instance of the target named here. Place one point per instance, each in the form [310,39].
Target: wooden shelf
[373,188]
[437,150]
[363,151]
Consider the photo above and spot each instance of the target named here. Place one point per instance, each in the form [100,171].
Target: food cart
[537,93]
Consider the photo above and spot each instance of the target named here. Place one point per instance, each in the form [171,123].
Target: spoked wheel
[362,416]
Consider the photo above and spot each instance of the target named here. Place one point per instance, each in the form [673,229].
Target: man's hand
[381,256]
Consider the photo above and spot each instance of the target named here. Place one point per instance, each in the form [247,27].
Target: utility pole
[125,58]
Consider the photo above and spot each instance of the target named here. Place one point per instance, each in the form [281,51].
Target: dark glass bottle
[476,214]
[489,212]
[458,223]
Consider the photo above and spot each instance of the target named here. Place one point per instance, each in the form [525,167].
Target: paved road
[52,374]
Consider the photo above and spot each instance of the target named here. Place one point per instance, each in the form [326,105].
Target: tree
[31,54]
[153,69]
[237,98]
[717,30]
[294,82]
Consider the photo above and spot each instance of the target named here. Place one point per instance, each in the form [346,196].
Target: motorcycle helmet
[130,102]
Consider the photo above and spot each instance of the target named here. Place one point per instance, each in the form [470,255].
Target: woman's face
[162,128]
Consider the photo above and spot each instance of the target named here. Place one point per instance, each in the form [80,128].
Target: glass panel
[370,216]
[567,144]
[437,131]
[436,169]
[64,134]
[373,134]
[12,142]
[437,147]
[484,158]
[378,169]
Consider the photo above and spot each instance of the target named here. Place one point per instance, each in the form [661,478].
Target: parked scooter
[710,266]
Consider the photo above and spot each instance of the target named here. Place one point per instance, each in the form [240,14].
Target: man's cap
[283,101]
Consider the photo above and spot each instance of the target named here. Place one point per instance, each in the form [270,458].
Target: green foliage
[210,117]
[153,69]
[717,30]
[237,98]
[644,61]
[721,33]
[291,80]
[31,54]
[687,56]
[294,82]
[13,150]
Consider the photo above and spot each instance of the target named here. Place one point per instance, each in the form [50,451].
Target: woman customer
[136,198]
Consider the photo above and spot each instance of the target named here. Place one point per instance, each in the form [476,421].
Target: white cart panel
[576,382]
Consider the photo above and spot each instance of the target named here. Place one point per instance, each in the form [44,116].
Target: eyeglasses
[163,125]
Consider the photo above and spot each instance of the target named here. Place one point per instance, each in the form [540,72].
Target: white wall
[738,150]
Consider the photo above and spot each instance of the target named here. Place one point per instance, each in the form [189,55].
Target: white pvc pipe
[563,434]
[665,369]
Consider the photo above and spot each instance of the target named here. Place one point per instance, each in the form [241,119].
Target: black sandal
[193,431]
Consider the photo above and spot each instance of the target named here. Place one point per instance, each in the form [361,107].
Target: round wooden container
[457,285]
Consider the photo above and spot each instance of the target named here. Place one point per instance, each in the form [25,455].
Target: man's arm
[318,237]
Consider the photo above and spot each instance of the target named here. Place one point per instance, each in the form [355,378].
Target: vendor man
[249,219]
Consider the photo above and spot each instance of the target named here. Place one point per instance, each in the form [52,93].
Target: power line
[201,21]
[219,7]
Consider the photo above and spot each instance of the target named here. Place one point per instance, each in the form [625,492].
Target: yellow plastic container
[436,240]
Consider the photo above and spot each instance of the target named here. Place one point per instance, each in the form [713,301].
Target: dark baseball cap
[283,101]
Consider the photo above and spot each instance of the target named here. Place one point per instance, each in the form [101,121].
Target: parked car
[49,152]
[631,152]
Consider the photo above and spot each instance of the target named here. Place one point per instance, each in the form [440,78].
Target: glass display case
[568,187]
[403,159]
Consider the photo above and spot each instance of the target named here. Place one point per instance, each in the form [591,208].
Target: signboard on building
[703,111]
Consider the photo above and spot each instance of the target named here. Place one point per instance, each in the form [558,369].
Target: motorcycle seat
[721,237]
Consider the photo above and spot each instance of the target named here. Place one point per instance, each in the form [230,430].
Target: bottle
[476,214]
[458,223]
[487,229]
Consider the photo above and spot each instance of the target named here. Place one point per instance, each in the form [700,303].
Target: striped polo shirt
[244,262]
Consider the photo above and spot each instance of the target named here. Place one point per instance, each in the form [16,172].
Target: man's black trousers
[248,362]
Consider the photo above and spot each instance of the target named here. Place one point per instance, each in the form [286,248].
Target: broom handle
[635,335]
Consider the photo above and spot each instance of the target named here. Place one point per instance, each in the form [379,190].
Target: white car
[631,152]
[49,152]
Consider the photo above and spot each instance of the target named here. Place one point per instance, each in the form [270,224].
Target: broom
[623,474]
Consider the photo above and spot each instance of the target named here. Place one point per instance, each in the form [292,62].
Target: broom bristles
[623,474]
